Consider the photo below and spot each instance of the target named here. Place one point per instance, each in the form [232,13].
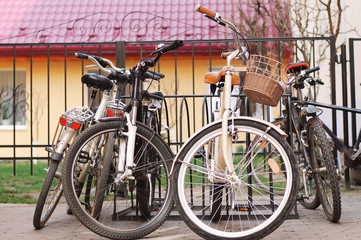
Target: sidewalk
[16,223]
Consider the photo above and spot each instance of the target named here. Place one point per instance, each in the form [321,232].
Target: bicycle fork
[125,166]
[125,162]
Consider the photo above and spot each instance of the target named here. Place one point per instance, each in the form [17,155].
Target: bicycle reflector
[274,166]
[73,125]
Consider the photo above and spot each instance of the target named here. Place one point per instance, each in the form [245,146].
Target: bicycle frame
[351,155]
[108,95]
[125,168]
[225,113]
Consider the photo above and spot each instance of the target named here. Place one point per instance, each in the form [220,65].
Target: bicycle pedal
[300,198]
[340,178]
[121,190]
[242,207]
[57,175]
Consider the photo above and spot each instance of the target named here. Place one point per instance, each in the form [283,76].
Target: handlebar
[305,73]
[100,62]
[121,74]
[153,75]
[242,51]
[205,11]
[173,46]
[302,79]
[118,74]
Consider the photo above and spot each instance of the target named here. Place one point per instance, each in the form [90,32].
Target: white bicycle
[217,196]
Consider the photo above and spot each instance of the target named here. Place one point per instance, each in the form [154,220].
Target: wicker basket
[265,80]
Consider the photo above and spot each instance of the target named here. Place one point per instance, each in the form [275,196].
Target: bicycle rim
[119,216]
[239,208]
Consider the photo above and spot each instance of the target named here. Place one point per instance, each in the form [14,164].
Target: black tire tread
[315,129]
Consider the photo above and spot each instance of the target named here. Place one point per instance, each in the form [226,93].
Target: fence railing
[51,84]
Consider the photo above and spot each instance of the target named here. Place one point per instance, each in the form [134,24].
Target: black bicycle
[313,148]
[131,194]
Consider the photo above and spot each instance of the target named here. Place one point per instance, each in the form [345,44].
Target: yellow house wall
[58,76]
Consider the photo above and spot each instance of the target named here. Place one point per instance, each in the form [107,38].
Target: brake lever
[217,21]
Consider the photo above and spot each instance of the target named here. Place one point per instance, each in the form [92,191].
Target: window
[13,99]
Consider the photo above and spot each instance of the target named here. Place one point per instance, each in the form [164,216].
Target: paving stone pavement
[16,223]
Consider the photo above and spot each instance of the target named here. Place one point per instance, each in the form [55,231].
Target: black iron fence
[44,81]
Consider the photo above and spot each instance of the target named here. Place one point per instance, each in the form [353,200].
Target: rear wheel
[49,196]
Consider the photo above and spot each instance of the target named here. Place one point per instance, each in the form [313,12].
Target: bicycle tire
[326,180]
[143,186]
[241,201]
[49,196]
[125,226]
[103,176]
[311,200]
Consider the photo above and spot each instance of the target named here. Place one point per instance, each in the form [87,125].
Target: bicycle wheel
[308,188]
[145,182]
[239,208]
[103,176]
[310,199]
[324,170]
[49,196]
[120,217]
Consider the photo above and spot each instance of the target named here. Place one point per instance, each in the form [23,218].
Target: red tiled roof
[64,21]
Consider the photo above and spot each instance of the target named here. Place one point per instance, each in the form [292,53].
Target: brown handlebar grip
[205,11]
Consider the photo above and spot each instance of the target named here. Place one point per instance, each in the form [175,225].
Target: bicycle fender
[252,119]
[309,111]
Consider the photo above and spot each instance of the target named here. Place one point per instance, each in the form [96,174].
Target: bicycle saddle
[214,77]
[296,67]
[97,81]
[158,95]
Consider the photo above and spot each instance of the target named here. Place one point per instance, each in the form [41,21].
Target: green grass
[23,187]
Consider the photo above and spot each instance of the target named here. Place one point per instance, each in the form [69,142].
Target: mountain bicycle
[131,194]
[313,148]
[216,194]
[70,124]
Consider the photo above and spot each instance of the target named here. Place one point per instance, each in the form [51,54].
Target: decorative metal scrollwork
[13,103]
[105,27]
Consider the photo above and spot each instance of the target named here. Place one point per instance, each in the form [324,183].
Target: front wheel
[218,204]
[114,210]
[324,170]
